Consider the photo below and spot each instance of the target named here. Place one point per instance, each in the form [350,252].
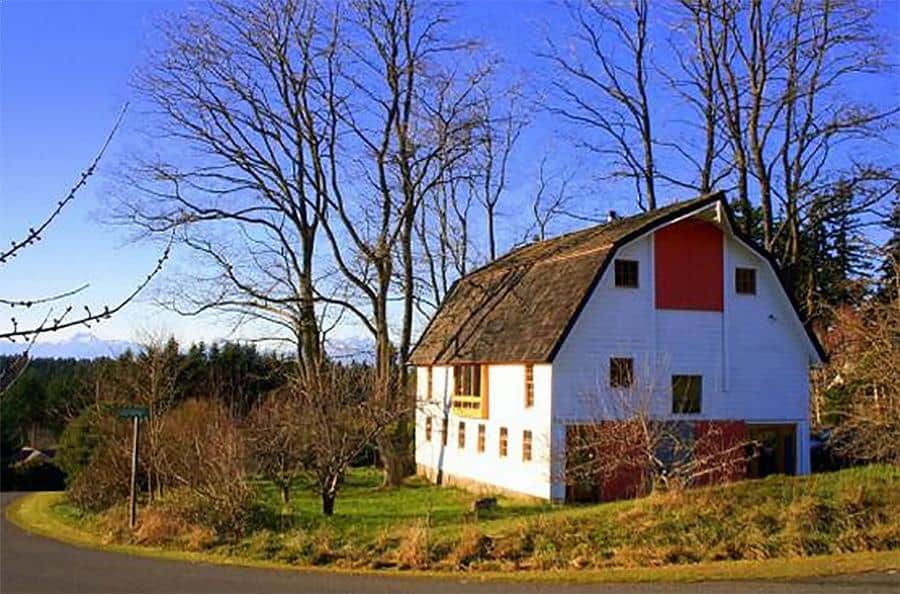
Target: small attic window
[745,281]
[627,273]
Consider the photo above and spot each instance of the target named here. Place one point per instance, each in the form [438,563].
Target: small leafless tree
[274,443]
[150,378]
[340,417]
[627,436]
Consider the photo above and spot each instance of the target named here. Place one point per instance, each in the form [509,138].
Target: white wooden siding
[506,408]
[753,356]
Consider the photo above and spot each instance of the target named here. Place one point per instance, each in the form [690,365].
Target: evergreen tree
[889,285]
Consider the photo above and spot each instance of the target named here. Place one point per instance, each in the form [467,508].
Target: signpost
[135,413]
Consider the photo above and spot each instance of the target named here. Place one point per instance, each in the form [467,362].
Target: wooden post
[132,500]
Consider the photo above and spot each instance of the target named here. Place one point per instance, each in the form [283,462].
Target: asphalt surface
[35,564]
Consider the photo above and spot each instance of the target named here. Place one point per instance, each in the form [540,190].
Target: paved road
[34,564]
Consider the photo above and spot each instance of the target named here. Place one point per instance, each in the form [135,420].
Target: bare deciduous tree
[340,416]
[407,117]
[274,441]
[500,128]
[609,95]
[238,89]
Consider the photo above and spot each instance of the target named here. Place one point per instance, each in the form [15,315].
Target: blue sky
[64,75]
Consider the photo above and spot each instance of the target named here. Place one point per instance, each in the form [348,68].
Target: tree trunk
[392,456]
[285,493]
[309,326]
[492,242]
[393,460]
[328,503]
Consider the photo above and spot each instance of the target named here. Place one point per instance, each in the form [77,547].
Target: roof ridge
[599,227]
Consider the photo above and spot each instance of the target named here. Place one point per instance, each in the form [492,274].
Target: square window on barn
[627,273]
[427,428]
[621,372]
[482,438]
[504,442]
[745,281]
[445,429]
[529,386]
[687,391]
[526,446]
[461,436]
[470,391]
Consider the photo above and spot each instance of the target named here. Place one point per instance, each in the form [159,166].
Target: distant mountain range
[83,345]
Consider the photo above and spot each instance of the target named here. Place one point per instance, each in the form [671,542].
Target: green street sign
[131,412]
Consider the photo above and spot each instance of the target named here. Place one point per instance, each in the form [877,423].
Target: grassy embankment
[780,527]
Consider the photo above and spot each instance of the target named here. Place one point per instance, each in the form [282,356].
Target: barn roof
[520,307]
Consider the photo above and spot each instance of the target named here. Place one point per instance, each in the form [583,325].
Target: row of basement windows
[482,438]
[687,390]
[626,276]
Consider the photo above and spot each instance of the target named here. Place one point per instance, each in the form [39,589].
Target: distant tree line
[53,392]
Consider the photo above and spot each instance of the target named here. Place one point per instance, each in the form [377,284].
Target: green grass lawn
[777,527]
[365,509]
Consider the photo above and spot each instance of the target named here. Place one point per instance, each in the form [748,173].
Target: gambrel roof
[519,308]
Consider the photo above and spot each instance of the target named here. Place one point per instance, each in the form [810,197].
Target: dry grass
[753,522]
[415,549]
[43,513]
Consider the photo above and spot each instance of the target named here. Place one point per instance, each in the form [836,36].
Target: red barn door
[688,262]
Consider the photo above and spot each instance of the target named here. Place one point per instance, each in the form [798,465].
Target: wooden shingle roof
[520,307]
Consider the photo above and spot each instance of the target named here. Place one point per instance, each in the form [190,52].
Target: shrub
[103,482]
[77,444]
[202,456]
[233,514]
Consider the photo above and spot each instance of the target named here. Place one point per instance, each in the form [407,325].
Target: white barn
[531,344]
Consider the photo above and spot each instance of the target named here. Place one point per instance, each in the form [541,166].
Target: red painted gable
[688,263]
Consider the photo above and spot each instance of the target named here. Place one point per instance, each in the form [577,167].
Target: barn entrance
[773,450]
[601,464]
